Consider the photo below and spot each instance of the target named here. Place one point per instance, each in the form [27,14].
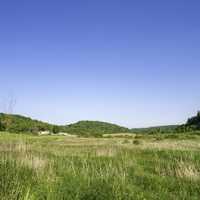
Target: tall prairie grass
[59,168]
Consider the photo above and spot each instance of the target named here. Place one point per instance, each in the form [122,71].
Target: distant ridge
[21,124]
[95,127]
[156,129]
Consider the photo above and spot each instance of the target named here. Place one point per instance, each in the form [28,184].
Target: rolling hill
[94,128]
[18,124]
[22,124]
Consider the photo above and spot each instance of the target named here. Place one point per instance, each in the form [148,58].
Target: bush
[55,129]
[2,127]
[136,142]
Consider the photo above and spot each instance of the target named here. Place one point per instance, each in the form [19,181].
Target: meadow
[123,167]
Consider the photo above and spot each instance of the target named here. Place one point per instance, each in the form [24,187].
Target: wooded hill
[156,129]
[21,124]
[95,128]
[194,121]
[192,124]
[18,123]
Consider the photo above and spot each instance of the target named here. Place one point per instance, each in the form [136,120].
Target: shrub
[55,129]
[2,127]
[136,142]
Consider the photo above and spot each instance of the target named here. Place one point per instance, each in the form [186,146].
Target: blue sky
[135,63]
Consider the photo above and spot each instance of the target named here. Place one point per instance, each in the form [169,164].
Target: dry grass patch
[187,170]
[32,161]
[179,169]
[106,151]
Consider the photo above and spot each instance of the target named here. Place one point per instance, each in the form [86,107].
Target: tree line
[20,124]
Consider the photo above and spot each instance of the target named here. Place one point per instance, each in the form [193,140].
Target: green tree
[2,128]
[55,129]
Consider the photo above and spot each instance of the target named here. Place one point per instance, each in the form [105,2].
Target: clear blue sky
[136,63]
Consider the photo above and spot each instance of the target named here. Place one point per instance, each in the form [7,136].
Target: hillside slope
[194,122]
[155,129]
[18,123]
[21,124]
[95,128]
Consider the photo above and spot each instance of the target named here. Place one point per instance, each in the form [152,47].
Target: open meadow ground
[111,168]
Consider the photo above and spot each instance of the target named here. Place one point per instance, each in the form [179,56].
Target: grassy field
[111,168]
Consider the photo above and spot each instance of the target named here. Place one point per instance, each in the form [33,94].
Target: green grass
[59,168]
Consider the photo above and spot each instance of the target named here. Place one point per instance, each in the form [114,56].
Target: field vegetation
[111,168]
[91,160]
